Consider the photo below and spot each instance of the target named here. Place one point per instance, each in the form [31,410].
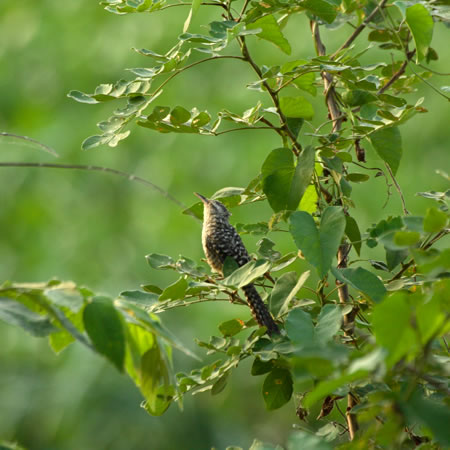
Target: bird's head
[213,208]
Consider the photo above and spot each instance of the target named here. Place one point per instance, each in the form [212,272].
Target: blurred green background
[95,228]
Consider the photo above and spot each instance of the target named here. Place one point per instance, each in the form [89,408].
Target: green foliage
[374,341]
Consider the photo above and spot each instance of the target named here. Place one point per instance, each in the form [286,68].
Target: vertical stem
[336,116]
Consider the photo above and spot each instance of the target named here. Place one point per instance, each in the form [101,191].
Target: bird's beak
[203,199]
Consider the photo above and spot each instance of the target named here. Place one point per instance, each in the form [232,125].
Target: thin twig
[32,141]
[244,7]
[435,89]
[128,176]
[335,114]
[359,29]
[399,189]
[296,147]
[159,88]
[174,5]
[242,129]
[397,74]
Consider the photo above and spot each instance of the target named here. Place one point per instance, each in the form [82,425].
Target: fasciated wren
[220,239]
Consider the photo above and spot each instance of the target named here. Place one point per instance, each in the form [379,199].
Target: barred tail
[259,309]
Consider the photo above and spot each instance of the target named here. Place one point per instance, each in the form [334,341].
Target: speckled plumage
[220,239]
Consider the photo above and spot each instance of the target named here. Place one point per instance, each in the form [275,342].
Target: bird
[221,240]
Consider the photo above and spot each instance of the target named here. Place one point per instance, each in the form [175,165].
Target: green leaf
[104,326]
[284,184]
[81,97]
[142,298]
[302,176]
[271,32]
[435,220]
[363,281]
[318,246]
[220,384]
[95,141]
[296,107]
[231,327]
[155,382]
[257,445]
[299,327]
[158,261]
[14,313]
[353,233]
[260,367]
[321,8]
[357,177]
[421,25]
[406,238]
[175,291]
[283,286]
[194,8]
[306,441]
[328,323]
[277,388]
[68,297]
[298,285]
[387,142]
[247,273]
[179,115]
[391,322]
[428,412]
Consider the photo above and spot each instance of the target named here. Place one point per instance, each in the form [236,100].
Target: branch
[245,128]
[31,141]
[399,189]
[296,147]
[336,115]
[359,29]
[159,88]
[128,176]
[397,74]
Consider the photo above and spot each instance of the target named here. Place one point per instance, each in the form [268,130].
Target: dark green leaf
[318,246]
[175,290]
[299,327]
[362,280]
[220,384]
[321,8]
[104,326]
[421,25]
[277,388]
[271,32]
[353,233]
[387,142]
[231,327]
[260,367]
[328,323]
[14,313]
